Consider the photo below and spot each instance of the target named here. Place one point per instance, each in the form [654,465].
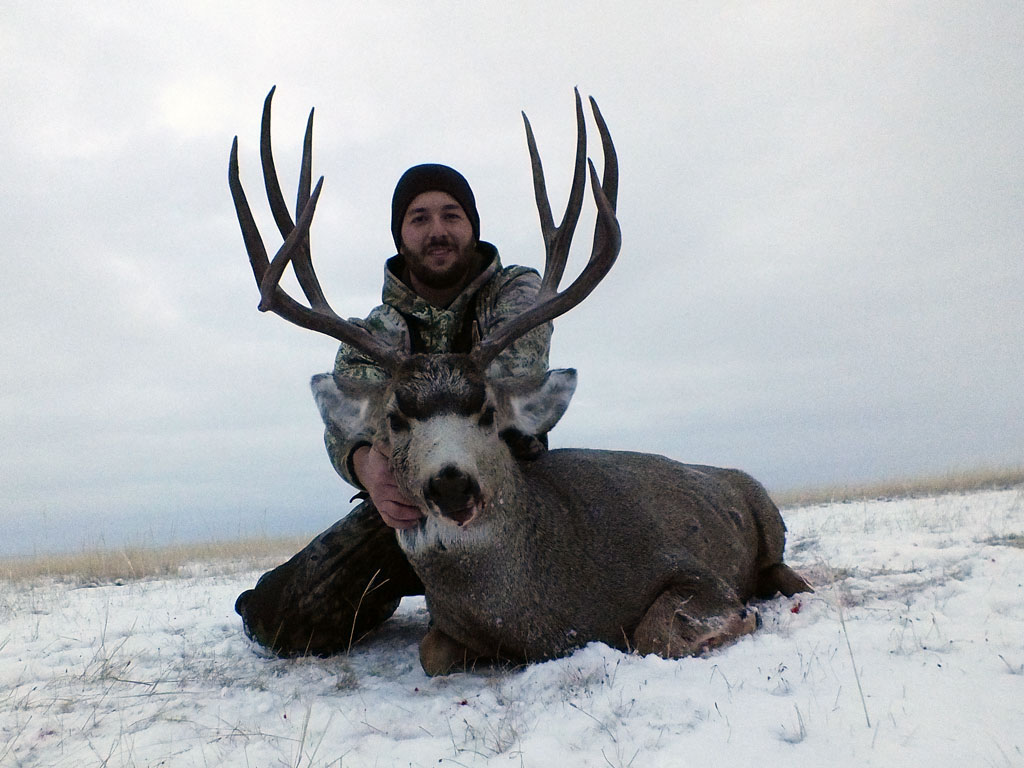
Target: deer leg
[440,654]
[688,625]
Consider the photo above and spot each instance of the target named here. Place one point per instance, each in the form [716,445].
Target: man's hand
[373,469]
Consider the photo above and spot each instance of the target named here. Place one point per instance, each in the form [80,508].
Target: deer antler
[318,316]
[550,303]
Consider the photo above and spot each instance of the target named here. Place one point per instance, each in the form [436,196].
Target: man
[444,290]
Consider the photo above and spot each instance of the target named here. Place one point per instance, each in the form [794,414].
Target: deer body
[582,543]
[526,560]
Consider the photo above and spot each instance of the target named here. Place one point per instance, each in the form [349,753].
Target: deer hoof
[441,655]
[780,578]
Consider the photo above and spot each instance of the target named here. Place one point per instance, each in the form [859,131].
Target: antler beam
[318,316]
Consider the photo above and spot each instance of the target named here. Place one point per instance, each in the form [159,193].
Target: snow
[911,652]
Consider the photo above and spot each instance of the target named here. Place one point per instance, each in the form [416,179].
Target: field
[909,653]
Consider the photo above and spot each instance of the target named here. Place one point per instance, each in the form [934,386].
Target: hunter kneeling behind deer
[523,553]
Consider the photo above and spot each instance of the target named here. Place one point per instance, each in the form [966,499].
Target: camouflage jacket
[409,322]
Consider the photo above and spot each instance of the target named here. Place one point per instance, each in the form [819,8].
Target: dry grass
[129,563]
[104,566]
[951,482]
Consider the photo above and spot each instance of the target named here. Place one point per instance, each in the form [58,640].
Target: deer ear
[537,409]
[348,405]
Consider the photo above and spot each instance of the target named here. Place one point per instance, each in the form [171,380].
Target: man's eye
[486,418]
[398,422]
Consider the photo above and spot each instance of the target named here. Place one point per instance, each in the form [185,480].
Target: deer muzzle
[454,494]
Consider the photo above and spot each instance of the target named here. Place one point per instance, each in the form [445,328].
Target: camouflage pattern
[326,598]
[501,294]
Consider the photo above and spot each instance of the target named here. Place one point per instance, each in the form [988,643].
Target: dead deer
[524,560]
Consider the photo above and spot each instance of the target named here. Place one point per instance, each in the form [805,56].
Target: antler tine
[302,262]
[558,239]
[550,303]
[250,234]
[278,207]
[610,178]
[318,316]
[306,169]
[607,226]
[269,284]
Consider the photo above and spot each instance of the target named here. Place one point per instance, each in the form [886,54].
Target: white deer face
[453,434]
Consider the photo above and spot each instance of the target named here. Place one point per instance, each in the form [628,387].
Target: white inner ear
[536,410]
[349,406]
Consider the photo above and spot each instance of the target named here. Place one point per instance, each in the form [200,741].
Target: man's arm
[351,364]
[355,453]
[341,446]
[360,460]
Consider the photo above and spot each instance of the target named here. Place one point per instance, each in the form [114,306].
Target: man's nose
[435,228]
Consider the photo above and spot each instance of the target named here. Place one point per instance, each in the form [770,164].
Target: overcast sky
[821,204]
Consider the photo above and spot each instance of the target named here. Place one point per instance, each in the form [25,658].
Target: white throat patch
[435,534]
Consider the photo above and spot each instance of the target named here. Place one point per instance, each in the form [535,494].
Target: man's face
[437,241]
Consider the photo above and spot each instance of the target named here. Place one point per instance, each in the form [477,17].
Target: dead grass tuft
[900,488]
[1009,540]
[101,566]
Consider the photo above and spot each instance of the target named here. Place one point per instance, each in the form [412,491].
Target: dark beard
[459,272]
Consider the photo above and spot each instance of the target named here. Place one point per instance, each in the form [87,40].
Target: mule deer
[526,560]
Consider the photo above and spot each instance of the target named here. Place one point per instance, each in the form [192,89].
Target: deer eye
[398,422]
[487,417]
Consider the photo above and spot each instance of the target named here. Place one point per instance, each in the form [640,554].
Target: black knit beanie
[426,178]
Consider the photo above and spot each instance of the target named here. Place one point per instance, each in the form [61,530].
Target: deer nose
[453,491]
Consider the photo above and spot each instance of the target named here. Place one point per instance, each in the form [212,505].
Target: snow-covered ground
[911,653]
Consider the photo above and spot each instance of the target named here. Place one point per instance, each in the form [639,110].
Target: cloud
[820,275]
